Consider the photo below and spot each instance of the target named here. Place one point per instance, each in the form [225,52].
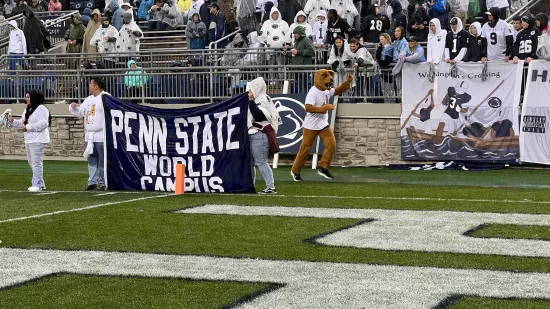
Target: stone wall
[360,142]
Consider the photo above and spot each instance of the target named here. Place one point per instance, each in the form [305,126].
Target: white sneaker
[34,189]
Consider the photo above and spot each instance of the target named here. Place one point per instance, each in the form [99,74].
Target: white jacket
[312,8]
[305,24]
[101,37]
[37,127]
[436,43]
[347,55]
[18,43]
[92,111]
[274,32]
[543,48]
[128,42]
[346,9]
[320,28]
[265,104]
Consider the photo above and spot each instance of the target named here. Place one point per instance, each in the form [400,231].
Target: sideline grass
[82,291]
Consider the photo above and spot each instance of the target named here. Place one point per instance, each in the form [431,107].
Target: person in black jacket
[374,24]
[525,46]
[477,45]
[418,20]
[398,18]
[336,27]
[456,42]
[35,33]
[288,10]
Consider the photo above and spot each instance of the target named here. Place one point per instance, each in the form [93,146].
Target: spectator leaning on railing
[477,45]
[525,46]
[436,42]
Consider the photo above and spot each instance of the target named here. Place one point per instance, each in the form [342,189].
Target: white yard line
[46,193]
[103,194]
[83,208]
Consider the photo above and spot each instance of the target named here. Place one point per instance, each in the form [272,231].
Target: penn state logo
[291,118]
[494,102]
[275,38]
[275,26]
[533,32]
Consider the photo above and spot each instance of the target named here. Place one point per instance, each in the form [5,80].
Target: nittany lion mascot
[316,122]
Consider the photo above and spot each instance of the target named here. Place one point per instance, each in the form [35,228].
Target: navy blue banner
[143,145]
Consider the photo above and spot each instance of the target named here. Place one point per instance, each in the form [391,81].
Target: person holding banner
[35,121]
[92,111]
[477,45]
[263,122]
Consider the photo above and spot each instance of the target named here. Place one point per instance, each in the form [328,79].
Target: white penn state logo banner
[461,117]
[535,114]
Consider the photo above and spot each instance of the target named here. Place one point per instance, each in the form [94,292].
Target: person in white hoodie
[105,39]
[17,45]
[543,48]
[312,7]
[35,121]
[263,118]
[436,42]
[92,112]
[274,34]
[300,20]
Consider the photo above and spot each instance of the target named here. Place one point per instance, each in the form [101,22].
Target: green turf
[513,231]
[78,291]
[471,302]
[148,225]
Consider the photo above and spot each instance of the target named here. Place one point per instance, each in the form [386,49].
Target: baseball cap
[454,21]
[214,5]
[412,38]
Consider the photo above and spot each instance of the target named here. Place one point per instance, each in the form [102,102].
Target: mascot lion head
[323,79]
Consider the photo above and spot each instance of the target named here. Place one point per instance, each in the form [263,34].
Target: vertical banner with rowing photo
[535,114]
[460,116]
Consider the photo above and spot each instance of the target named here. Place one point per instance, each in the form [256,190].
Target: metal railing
[524,9]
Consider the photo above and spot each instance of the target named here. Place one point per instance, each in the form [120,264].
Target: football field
[371,238]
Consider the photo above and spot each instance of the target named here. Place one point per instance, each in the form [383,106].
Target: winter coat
[320,28]
[172,15]
[39,6]
[304,46]
[399,48]
[155,14]
[312,7]
[35,32]
[75,32]
[127,40]
[8,8]
[436,43]
[342,56]
[91,29]
[398,18]
[196,41]
[274,32]
[54,6]
[144,8]
[477,45]
[105,39]
[305,24]
[416,55]
[346,9]
[289,10]
[216,30]
[227,8]
[17,44]
[86,16]
[338,28]
[419,16]
[135,77]
[116,20]
[373,25]
[543,48]
[204,12]
[384,55]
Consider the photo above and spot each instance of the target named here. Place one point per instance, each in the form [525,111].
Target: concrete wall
[360,141]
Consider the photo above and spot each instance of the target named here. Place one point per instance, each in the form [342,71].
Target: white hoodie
[274,32]
[463,50]
[92,111]
[313,7]
[258,88]
[436,43]
[37,127]
[305,24]
[543,48]
[345,9]
[18,44]
[320,28]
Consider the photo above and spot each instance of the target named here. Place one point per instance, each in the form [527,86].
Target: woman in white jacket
[436,42]
[340,58]
[313,7]
[35,121]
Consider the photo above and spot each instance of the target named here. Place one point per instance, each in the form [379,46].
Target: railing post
[211,85]
[79,78]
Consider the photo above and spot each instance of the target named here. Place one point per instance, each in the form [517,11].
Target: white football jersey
[496,39]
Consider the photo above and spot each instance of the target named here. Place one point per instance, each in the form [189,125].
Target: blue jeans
[35,156]
[95,166]
[260,152]
[14,60]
